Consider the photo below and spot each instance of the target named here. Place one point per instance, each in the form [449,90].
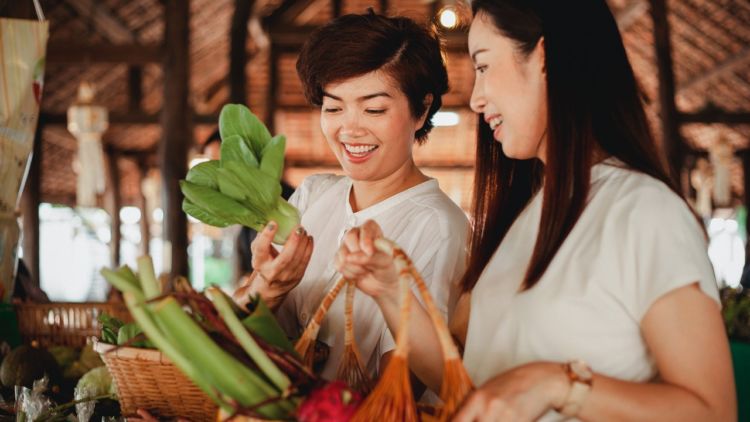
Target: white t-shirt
[635,241]
[422,220]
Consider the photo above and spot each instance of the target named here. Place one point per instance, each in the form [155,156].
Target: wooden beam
[30,200]
[76,52]
[177,131]
[238,51]
[630,14]
[714,115]
[130,118]
[17,9]
[113,203]
[273,88]
[287,12]
[135,88]
[291,38]
[735,62]
[673,144]
[106,22]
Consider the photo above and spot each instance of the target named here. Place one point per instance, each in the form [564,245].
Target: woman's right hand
[276,273]
[373,270]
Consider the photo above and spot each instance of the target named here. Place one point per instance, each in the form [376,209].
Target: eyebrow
[474,55]
[362,98]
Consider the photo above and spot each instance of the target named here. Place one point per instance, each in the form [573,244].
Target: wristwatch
[580,377]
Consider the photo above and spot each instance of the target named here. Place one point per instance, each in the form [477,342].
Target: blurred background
[160,70]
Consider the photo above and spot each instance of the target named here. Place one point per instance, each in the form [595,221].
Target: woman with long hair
[589,293]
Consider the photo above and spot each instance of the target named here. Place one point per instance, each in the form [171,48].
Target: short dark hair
[353,45]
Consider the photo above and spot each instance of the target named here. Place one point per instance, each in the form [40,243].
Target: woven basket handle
[305,344]
[456,382]
[405,266]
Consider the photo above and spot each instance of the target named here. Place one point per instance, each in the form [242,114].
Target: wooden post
[135,88]
[384,7]
[672,141]
[145,228]
[273,88]
[177,132]
[336,8]
[113,203]
[238,51]
[30,200]
[746,171]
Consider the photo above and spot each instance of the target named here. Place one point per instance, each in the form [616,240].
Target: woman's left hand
[524,393]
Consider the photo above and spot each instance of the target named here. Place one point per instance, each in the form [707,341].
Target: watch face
[581,370]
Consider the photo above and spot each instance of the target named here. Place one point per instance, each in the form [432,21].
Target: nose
[350,127]
[478,101]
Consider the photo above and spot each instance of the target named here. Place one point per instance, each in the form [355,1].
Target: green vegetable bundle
[243,187]
[243,362]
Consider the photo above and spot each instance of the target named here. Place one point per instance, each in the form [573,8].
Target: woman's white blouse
[422,220]
[635,241]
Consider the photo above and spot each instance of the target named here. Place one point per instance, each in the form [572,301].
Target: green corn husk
[243,186]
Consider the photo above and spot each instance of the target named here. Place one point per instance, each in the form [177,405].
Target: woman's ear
[427,102]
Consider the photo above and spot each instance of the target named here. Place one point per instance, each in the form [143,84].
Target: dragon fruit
[334,402]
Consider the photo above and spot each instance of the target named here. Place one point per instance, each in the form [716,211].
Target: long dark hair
[594,103]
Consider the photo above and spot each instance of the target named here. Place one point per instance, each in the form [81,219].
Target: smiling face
[369,126]
[510,89]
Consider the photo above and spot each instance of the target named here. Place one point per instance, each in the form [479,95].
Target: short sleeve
[310,189]
[664,249]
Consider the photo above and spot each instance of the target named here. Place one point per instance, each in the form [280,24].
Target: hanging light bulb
[448,18]
[87,121]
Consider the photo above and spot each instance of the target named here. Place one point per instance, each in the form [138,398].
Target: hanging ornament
[721,155]
[87,121]
[702,179]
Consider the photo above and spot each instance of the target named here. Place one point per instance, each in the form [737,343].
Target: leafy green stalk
[121,283]
[224,307]
[228,375]
[262,323]
[149,283]
[145,320]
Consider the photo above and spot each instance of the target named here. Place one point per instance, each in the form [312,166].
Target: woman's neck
[366,193]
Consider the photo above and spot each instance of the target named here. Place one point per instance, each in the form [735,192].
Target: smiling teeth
[495,122]
[360,149]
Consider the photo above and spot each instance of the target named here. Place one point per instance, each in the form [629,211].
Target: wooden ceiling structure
[164,68]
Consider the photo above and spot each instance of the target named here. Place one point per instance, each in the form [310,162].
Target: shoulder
[440,215]
[634,197]
[315,186]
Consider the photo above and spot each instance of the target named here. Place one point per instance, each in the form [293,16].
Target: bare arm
[685,334]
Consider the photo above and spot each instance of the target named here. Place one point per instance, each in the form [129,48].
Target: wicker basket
[146,379]
[65,324]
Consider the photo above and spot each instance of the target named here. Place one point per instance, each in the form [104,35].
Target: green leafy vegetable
[243,187]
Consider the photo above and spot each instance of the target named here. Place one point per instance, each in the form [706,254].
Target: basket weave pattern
[146,379]
[64,324]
